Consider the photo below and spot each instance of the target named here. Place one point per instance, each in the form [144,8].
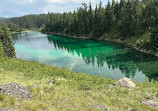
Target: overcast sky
[13,8]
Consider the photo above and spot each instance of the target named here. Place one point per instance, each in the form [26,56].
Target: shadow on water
[126,59]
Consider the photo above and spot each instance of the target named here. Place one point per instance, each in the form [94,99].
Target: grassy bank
[71,91]
[135,40]
[24,30]
[138,42]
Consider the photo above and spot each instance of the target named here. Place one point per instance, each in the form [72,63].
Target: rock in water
[125,82]
[149,102]
[15,89]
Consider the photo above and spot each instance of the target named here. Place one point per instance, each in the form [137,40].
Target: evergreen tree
[108,18]
[154,37]
[90,19]
[154,34]
[116,13]
[7,42]
[101,18]
[127,19]
[96,23]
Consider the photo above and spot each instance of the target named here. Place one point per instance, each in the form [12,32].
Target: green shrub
[2,97]
[84,85]
[12,101]
[1,50]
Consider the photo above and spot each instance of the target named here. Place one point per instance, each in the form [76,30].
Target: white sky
[12,8]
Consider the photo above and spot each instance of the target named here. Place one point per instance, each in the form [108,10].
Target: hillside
[69,90]
[2,18]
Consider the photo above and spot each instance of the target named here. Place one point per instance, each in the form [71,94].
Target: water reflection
[105,59]
[127,60]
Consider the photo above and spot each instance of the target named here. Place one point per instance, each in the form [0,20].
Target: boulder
[15,89]
[149,102]
[125,82]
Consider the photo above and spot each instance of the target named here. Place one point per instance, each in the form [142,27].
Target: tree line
[25,22]
[122,19]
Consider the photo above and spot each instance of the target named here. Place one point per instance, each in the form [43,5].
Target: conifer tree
[90,19]
[154,34]
[154,37]
[108,18]
[7,42]
[96,23]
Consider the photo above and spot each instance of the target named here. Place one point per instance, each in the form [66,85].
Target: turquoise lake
[101,58]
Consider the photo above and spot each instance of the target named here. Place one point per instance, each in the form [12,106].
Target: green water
[99,58]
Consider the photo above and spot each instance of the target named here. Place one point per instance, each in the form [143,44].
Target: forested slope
[26,22]
[132,21]
[125,20]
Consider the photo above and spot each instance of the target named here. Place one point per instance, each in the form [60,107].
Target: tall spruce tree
[108,18]
[96,23]
[154,34]
[7,42]
[101,18]
[154,37]
[90,19]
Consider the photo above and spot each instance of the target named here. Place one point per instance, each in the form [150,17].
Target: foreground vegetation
[70,91]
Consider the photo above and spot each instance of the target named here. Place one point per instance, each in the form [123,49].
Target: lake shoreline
[86,56]
[20,32]
[143,50]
